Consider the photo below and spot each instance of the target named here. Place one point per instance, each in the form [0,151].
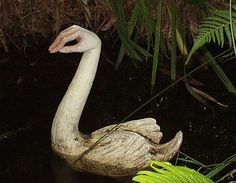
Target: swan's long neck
[65,133]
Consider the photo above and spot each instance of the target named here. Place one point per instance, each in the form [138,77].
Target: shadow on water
[31,89]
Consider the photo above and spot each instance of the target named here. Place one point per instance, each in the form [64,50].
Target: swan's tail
[167,151]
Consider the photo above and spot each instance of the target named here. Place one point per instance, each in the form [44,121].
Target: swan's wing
[146,127]
[122,152]
[126,150]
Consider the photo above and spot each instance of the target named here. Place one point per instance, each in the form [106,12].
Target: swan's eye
[76,139]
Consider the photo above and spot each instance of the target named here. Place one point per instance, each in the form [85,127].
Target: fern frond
[215,28]
[166,172]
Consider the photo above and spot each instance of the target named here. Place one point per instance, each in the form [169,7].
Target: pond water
[31,89]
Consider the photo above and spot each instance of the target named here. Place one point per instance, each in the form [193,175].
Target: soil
[32,87]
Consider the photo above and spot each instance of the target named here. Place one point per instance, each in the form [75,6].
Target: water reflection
[64,174]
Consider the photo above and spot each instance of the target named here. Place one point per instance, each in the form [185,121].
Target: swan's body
[123,151]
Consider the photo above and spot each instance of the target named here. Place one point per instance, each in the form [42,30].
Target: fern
[170,173]
[214,29]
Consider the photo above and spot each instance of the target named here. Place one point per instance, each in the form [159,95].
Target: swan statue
[121,152]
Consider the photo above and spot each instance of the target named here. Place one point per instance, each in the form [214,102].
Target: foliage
[231,26]
[156,45]
[212,171]
[157,23]
[172,14]
[141,18]
[220,73]
[123,31]
[213,29]
[166,172]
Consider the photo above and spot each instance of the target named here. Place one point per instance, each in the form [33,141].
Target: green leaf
[181,44]
[172,15]
[131,25]
[157,44]
[220,73]
[143,6]
[218,36]
[222,166]
[117,8]
[168,173]
[213,29]
[228,34]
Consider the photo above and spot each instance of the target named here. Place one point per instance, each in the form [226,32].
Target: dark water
[31,89]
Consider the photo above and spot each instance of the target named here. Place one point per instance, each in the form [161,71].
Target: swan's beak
[167,151]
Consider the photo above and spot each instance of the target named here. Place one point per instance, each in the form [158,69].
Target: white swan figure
[121,153]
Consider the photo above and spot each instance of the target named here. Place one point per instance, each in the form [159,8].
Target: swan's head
[86,40]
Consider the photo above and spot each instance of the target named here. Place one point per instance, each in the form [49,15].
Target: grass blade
[181,44]
[145,9]
[231,26]
[117,8]
[157,45]
[172,16]
[190,160]
[220,73]
[131,25]
[220,167]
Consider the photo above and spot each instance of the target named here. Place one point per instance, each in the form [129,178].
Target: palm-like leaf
[214,29]
[166,172]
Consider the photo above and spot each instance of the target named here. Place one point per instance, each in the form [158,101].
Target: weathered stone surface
[115,150]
